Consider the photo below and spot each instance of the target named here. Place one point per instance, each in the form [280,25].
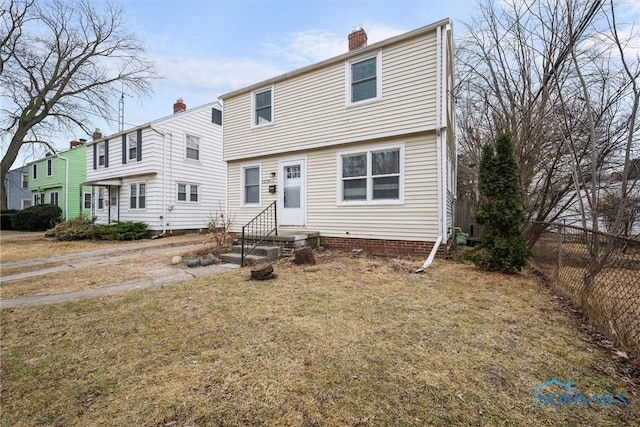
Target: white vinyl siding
[163,165]
[414,219]
[409,104]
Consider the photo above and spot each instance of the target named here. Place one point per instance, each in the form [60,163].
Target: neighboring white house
[167,173]
[360,148]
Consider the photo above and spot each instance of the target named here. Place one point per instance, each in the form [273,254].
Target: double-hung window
[54,198]
[187,192]
[34,172]
[101,154]
[49,167]
[132,147]
[193,147]
[101,198]
[137,196]
[364,80]
[251,185]
[25,181]
[87,201]
[263,107]
[371,176]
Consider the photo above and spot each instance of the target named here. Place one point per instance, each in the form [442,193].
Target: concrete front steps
[273,247]
[258,255]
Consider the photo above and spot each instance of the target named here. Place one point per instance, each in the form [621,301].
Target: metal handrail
[260,226]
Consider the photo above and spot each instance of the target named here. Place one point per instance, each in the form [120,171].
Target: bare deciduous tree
[62,64]
[522,68]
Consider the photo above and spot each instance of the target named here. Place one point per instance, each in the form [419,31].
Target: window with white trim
[132,147]
[25,180]
[34,172]
[26,203]
[86,201]
[54,198]
[262,107]
[101,198]
[371,176]
[38,199]
[101,154]
[187,192]
[251,185]
[364,79]
[49,167]
[193,147]
[137,195]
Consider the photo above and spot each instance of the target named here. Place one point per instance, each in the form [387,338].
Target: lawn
[353,340]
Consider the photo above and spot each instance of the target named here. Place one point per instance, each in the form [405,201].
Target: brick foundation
[381,247]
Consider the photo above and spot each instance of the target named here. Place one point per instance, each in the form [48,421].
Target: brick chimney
[357,38]
[97,134]
[179,106]
[77,143]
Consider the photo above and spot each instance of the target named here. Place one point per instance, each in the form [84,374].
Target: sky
[206,48]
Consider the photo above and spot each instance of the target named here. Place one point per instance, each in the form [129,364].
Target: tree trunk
[304,256]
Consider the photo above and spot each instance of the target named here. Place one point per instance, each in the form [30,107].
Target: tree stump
[262,271]
[304,256]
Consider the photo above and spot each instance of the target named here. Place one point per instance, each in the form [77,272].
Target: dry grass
[359,341]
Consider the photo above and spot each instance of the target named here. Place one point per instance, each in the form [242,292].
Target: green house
[57,180]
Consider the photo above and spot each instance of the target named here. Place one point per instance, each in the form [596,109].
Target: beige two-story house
[360,147]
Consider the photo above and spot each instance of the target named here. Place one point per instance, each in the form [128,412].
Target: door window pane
[292,197]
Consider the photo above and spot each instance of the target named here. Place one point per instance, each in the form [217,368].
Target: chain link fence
[600,274]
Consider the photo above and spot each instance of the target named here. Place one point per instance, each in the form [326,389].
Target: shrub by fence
[606,288]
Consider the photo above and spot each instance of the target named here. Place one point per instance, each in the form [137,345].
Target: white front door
[113,204]
[292,195]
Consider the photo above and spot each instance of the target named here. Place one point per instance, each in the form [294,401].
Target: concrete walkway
[182,276]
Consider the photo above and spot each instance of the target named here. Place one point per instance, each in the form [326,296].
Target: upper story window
[371,176]
[137,195]
[102,154]
[263,107]
[364,79]
[193,147]
[49,167]
[25,180]
[251,185]
[132,147]
[34,173]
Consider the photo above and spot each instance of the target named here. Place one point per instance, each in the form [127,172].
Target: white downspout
[439,52]
[164,179]
[66,187]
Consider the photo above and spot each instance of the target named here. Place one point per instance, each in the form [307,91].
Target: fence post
[559,264]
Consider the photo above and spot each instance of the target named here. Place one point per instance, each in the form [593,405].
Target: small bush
[74,229]
[83,228]
[6,219]
[118,231]
[37,218]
